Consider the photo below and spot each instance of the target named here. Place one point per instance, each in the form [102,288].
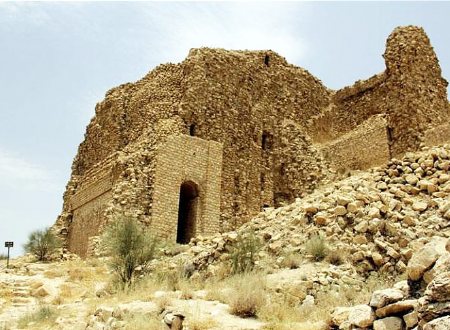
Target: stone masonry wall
[411,92]
[364,147]
[272,119]
[86,223]
[437,135]
[184,158]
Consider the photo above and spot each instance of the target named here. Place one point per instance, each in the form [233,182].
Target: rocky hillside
[378,217]
[375,243]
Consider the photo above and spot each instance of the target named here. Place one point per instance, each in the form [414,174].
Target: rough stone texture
[411,92]
[425,258]
[253,132]
[442,323]
[361,316]
[383,297]
[439,288]
[388,323]
[399,307]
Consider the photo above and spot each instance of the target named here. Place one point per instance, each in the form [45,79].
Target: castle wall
[87,207]
[271,123]
[437,135]
[411,93]
[364,147]
[180,159]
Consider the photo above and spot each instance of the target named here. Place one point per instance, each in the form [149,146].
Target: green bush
[42,243]
[243,253]
[129,245]
[317,247]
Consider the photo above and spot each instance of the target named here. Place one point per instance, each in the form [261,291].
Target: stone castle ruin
[202,146]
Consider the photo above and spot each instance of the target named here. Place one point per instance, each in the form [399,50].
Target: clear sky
[57,60]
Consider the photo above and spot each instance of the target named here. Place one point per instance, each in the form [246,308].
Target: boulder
[441,265]
[361,315]
[439,288]
[381,298]
[411,319]
[431,310]
[419,206]
[399,307]
[340,315]
[442,323]
[425,258]
[388,323]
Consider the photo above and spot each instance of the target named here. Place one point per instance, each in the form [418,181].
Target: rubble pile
[378,218]
[420,302]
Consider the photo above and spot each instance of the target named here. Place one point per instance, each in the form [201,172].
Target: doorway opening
[187,212]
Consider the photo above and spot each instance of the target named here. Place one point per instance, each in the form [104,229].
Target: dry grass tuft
[201,323]
[248,294]
[163,303]
[336,257]
[43,315]
[317,247]
[54,273]
[291,261]
[138,321]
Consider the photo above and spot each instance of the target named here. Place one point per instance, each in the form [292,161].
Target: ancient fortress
[201,146]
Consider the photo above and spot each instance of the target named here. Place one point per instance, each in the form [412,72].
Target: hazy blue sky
[58,59]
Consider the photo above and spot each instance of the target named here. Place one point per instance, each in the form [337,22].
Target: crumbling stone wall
[364,147]
[411,92]
[274,123]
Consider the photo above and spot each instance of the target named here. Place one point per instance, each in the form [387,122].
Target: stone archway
[187,212]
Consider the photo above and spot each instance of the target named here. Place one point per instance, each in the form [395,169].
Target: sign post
[8,245]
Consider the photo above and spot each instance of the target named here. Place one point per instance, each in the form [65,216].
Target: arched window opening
[187,212]
[266,141]
[266,60]
[192,130]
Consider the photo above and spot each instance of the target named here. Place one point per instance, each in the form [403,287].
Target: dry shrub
[201,323]
[215,293]
[44,314]
[138,321]
[163,302]
[291,261]
[278,312]
[186,293]
[336,257]
[54,273]
[317,247]
[248,294]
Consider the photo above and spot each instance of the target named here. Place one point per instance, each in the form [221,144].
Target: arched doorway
[187,212]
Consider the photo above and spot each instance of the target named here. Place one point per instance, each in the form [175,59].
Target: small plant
[248,295]
[291,261]
[243,253]
[42,243]
[336,257]
[130,246]
[316,247]
[43,314]
[3,256]
[201,323]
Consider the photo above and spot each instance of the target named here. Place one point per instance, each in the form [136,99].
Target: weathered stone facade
[201,146]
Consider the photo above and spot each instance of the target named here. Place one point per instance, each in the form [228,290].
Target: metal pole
[7,260]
